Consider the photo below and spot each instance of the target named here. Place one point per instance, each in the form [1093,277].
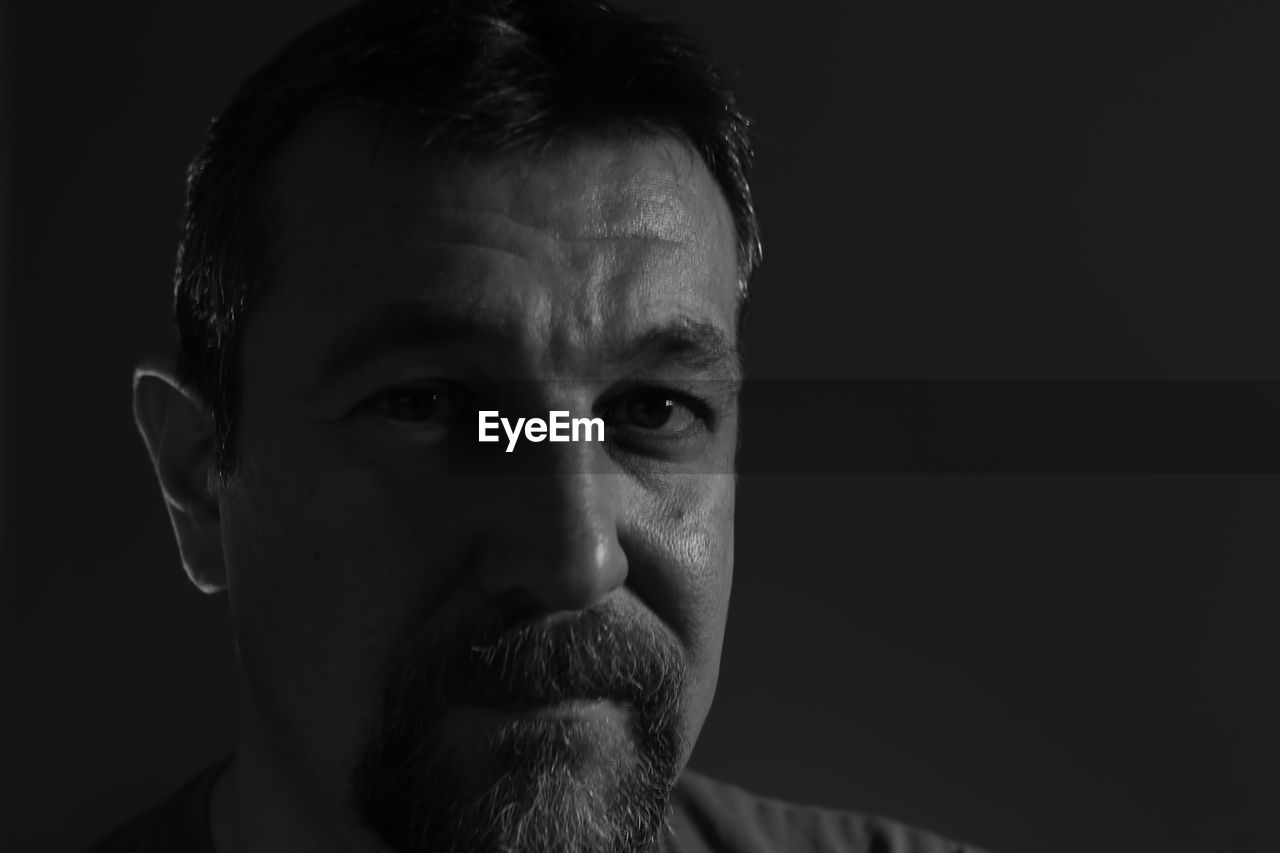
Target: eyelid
[703,410]
[453,396]
[431,385]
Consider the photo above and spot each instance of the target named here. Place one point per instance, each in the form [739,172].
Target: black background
[1051,663]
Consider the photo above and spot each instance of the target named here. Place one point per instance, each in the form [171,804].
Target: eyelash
[460,401]
[447,394]
[700,409]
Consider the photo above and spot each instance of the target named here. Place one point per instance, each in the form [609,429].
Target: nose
[553,543]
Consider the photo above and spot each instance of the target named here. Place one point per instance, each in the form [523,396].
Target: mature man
[416,213]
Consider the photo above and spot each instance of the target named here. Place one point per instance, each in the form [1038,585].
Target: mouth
[568,709]
[582,728]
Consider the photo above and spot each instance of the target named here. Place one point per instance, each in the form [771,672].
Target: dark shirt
[707,817]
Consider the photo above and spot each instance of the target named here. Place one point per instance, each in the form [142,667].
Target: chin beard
[529,783]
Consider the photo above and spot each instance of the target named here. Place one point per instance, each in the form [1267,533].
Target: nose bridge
[580,500]
[557,541]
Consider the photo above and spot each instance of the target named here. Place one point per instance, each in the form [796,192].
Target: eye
[409,404]
[657,414]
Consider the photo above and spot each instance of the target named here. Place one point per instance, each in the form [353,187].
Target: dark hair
[484,76]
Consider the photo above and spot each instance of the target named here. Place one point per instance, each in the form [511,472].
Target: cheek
[687,577]
[716,578]
[329,567]
[703,540]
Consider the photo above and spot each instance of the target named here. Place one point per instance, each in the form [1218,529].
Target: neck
[264,803]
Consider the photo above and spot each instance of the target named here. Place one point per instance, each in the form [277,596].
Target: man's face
[431,627]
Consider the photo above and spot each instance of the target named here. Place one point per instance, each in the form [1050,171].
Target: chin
[572,779]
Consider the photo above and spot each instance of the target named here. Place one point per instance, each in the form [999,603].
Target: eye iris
[651,412]
[412,405]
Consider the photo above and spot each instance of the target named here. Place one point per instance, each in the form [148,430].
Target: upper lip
[531,703]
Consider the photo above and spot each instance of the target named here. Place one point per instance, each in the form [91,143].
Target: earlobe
[179,434]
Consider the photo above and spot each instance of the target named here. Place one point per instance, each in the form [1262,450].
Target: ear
[179,434]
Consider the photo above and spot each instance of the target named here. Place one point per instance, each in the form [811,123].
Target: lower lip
[591,713]
[571,709]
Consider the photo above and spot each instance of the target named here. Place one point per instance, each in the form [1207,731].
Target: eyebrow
[401,326]
[687,342]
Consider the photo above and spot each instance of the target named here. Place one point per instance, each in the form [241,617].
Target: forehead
[586,239]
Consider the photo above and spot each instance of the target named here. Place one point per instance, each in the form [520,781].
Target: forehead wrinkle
[578,319]
[621,197]
[598,322]
[472,228]
[609,275]
[658,206]
[621,224]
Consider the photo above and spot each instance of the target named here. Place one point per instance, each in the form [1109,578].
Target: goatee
[568,780]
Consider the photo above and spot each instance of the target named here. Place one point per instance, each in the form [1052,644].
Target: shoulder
[180,823]
[713,817]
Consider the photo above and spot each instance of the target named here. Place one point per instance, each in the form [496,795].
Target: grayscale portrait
[504,426]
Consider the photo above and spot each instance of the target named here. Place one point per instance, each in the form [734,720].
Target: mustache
[595,654]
